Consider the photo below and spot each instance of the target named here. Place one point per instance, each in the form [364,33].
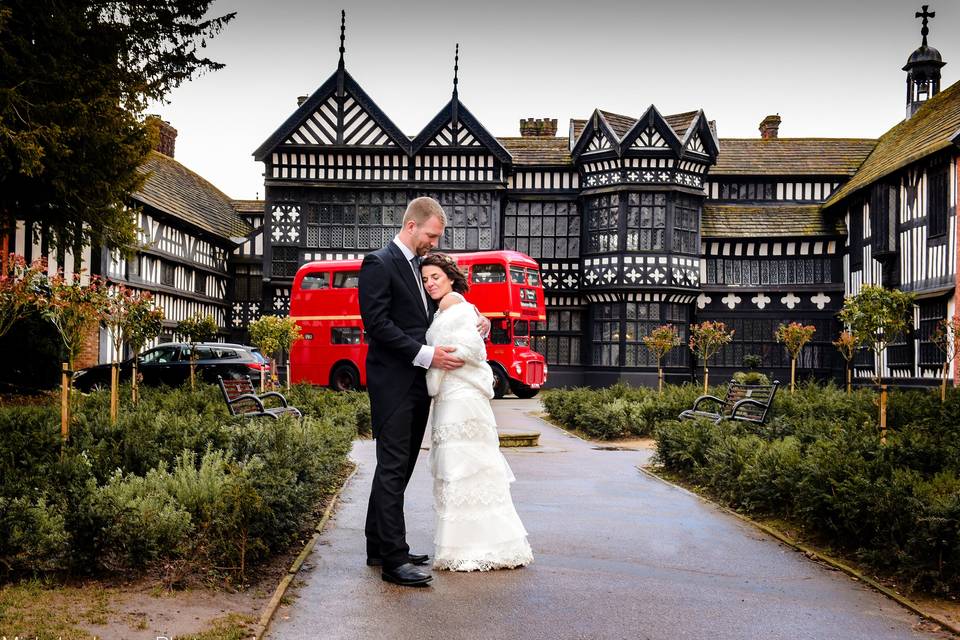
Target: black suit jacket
[396,326]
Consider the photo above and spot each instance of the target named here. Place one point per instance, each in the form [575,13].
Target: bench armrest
[274,394]
[247,396]
[696,403]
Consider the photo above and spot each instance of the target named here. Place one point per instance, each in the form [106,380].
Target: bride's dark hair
[449,266]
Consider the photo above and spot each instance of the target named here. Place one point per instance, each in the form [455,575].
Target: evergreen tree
[75,78]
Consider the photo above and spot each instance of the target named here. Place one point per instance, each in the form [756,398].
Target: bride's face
[436,282]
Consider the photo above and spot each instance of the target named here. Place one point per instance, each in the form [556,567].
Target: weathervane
[456,63]
[343,29]
[926,15]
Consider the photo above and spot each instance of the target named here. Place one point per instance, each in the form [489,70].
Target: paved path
[618,555]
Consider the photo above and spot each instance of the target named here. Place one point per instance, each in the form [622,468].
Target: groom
[396,313]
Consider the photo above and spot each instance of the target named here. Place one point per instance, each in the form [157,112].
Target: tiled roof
[175,190]
[247,206]
[792,156]
[679,122]
[763,221]
[935,126]
[538,151]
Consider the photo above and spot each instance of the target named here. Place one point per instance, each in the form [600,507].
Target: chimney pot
[538,127]
[166,135]
[301,100]
[770,127]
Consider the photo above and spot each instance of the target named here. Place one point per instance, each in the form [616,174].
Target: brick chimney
[166,135]
[770,127]
[538,127]
[301,100]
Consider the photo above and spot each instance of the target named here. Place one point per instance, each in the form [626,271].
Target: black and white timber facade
[187,232]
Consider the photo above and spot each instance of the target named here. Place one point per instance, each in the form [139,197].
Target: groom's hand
[443,360]
[483,326]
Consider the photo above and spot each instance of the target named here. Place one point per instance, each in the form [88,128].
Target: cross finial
[926,15]
[456,67]
[343,30]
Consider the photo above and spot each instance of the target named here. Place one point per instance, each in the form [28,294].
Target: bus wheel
[501,383]
[522,391]
[344,377]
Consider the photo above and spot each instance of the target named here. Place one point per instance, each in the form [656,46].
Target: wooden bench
[242,400]
[747,402]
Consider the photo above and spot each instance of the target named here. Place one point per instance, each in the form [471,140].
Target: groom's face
[427,236]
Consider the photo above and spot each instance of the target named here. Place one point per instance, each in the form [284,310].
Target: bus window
[498,332]
[488,273]
[345,335]
[315,280]
[517,276]
[533,277]
[346,279]
[521,333]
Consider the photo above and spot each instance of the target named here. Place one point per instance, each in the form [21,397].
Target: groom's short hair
[422,209]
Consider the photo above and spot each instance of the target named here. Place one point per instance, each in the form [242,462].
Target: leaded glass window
[646,221]
[769,271]
[559,338]
[470,219]
[686,223]
[542,229]
[606,334]
[603,222]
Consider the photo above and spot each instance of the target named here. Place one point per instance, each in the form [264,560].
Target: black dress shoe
[406,575]
[412,558]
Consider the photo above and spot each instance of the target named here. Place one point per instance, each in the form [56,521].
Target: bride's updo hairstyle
[449,267]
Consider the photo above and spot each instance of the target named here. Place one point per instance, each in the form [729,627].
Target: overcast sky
[830,68]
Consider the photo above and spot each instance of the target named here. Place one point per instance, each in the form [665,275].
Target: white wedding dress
[478,528]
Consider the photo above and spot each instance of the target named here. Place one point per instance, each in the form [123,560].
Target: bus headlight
[516,367]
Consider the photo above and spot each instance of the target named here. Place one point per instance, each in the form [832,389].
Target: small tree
[75,311]
[945,338]
[794,337]
[878,317]
[19,290]
[847,345]
[706,339]
[196,328]
[144,323]
[275,335]
[660,341]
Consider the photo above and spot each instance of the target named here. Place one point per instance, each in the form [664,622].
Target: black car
[169,364]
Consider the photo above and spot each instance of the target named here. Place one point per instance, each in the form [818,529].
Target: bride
[478,528]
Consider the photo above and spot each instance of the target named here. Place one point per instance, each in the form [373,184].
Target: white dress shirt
[425,356]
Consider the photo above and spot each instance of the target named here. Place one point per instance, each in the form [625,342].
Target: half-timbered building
[636,221]
[900,210]
[187,231]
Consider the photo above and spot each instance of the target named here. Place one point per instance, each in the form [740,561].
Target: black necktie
[415,262]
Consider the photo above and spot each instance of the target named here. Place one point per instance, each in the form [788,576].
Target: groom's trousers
[398,446]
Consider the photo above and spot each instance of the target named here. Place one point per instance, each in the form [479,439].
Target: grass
[34,609]
[231,627]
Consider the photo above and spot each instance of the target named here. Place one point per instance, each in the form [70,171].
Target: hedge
[176,480]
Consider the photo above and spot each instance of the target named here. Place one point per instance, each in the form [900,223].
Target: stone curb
[274,604]
[814,555]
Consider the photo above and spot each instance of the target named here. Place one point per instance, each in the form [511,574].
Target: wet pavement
[617,555]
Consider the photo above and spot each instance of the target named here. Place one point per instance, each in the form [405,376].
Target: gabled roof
[935,126]
[456,111]
[306,111]
[597,128]
[175,190]
[679,122]
[765,221]
[538,151]
[791,156]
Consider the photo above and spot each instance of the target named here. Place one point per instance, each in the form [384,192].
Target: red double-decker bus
[504,285]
